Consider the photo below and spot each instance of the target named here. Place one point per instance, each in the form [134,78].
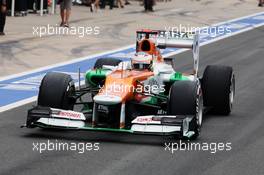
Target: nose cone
[107,99]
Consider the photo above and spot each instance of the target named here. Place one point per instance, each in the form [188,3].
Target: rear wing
[170,39]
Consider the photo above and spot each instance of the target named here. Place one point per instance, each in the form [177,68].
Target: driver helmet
[141,60]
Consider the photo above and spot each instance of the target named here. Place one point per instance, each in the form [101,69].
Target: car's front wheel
[186,98]
[56,91]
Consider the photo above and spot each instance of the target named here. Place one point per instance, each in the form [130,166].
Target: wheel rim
[69,101]
[232,93]
[200,111]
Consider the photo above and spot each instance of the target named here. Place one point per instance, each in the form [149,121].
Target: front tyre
[56,91]
[186,98]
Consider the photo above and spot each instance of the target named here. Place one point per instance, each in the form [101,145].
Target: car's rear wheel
[56,91]
[186,98]
[106,61]
[218,86]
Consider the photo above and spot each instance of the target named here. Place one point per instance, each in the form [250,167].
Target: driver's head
[141,61]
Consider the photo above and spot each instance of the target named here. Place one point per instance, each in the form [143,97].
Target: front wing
[45,117]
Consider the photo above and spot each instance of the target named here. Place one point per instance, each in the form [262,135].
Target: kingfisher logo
[144,120]
[70,115]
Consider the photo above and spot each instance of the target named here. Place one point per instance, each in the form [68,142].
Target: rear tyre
[218,86]
[186,99]
[56,90]
[106,61]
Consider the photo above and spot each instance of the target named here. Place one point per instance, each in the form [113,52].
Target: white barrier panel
[13,8]
[53,6]
[41,7]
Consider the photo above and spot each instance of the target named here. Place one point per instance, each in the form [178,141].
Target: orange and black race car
[144,95]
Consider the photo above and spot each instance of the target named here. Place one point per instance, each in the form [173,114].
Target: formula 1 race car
[144,95]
